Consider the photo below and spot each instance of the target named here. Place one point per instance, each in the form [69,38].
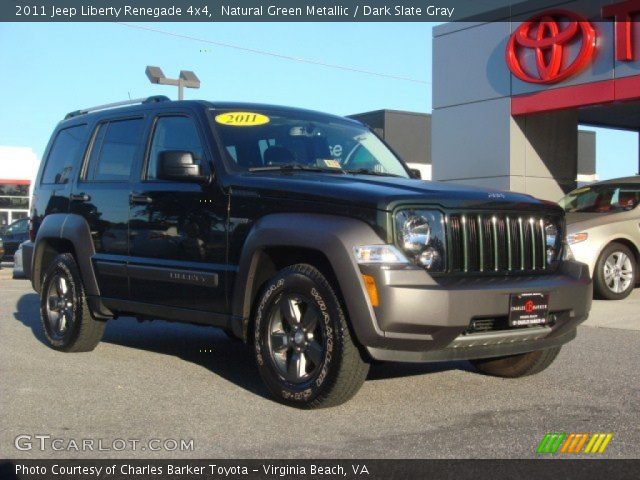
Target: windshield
[270,140]
[602,198]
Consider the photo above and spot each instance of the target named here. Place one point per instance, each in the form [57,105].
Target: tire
[615,272]
[514,366]
[64,313]
[302,343]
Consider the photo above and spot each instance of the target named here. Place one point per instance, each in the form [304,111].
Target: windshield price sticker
[332,163]
[242,119]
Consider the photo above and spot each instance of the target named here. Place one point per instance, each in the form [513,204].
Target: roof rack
[136,101]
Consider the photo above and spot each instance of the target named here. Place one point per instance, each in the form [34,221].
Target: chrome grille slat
[489,243]
[543,244]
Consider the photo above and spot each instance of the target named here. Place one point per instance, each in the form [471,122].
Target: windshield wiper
[290,167]
[366,171]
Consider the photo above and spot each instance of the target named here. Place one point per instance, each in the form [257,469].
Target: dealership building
[508,95]
[17,169]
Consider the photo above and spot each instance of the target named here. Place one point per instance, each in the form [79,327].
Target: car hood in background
[583,221]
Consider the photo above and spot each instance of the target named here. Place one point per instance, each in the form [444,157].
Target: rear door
[178,229]
[101,196]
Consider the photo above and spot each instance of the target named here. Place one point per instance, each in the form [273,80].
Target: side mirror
[415,173]
[179,166]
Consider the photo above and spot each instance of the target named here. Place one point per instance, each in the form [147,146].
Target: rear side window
[114,150]
[66,150]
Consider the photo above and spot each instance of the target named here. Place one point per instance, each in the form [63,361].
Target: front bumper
[421,318]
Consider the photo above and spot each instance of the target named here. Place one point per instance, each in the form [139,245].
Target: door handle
[137,198]
[80,197]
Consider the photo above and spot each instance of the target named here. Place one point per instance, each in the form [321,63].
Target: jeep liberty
[300,233]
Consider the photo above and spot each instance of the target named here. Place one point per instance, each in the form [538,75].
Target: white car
[603,230]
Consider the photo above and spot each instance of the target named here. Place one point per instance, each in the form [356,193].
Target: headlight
[415,233]
[577,237]
[420,234]
[379,254]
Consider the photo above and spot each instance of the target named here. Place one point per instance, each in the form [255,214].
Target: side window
[173,133]
[114,150]
[21,226]
[66,150]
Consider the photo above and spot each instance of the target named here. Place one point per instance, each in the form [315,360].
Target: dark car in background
[13,235]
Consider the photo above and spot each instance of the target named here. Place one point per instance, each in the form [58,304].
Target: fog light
[372,289]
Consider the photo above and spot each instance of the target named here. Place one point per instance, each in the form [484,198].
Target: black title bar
[314,469]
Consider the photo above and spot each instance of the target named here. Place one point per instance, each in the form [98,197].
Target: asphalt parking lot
[162,381]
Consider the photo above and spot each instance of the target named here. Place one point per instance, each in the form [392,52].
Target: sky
[51,69]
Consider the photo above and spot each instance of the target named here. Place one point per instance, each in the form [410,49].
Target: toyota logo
[550,36]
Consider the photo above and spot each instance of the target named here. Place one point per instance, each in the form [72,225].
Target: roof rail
[136,101]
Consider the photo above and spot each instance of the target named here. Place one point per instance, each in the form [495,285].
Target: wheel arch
[64,233]
[324,241]
[624,240]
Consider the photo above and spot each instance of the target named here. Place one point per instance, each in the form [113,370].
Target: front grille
[482,242]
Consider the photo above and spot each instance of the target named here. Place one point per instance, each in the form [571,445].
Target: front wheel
[302,342]
[615,274]
[514,366]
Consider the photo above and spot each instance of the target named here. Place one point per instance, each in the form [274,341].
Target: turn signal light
[372,290]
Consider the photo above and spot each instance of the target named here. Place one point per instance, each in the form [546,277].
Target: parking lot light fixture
[186,79]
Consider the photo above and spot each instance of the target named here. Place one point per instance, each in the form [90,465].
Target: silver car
[18,270]
[603,230]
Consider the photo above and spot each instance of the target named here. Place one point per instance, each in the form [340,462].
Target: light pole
[186,79]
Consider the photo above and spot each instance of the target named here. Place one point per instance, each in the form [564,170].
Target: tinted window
[21,226]
[114,150]
[65,151]
[173,133]
[602,198]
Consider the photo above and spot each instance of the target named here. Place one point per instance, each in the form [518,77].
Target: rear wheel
[615,274]
[514,366]
[66,320]
[303,346]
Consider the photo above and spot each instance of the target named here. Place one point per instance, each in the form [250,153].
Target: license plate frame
[528,309]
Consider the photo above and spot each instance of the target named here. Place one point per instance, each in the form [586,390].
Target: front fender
[335,237]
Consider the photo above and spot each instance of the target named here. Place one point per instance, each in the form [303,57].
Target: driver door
[177,229]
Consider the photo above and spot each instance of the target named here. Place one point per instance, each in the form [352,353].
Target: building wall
[18,166]
[476,140]
[408,133]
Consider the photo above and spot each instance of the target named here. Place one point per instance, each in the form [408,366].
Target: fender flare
[335,237]
[74,229]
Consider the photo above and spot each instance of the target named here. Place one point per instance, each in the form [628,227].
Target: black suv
[302,234]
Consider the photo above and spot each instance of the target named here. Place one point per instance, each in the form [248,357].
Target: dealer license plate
[528,309]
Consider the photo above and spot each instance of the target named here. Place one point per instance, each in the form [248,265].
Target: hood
[382,193]
[579,221]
